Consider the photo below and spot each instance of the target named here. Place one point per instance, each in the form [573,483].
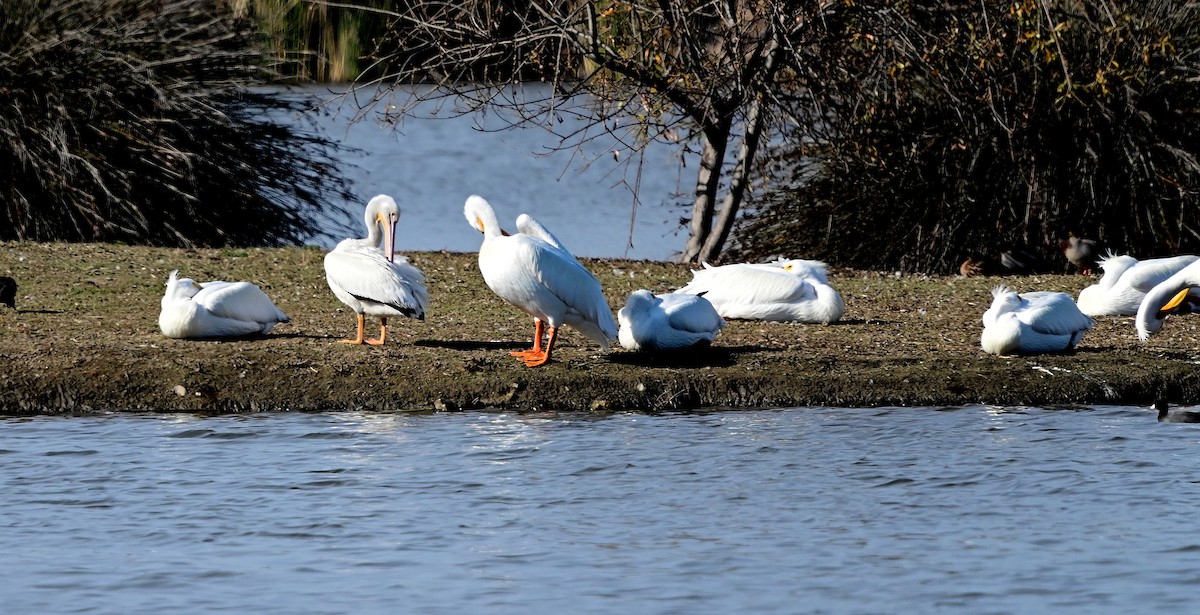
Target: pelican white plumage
[374,281]
[1125,282]
[1168,295]
[215,309]
[667,322]
[533,271]
[785,290]
[1032,323]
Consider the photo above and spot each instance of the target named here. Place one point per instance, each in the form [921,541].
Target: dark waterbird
[1014,261]
[1084,254]
[1166,415]
[8,292]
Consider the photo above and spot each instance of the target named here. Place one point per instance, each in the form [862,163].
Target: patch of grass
[904,340]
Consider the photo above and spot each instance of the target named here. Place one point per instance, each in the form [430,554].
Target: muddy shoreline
[84,339]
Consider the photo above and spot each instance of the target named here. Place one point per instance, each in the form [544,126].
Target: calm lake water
[813,510]
[432,165]
[979,510]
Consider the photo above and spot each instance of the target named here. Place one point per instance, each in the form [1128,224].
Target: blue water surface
[810,510]
[430,163]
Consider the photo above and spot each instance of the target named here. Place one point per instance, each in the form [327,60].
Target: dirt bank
[84,338]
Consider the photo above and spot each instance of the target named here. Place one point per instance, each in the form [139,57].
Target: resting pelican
[796,290]
[1032,323]
[533,271]
[667,322]
[1125,282]
[373,281]
[215,309]
[1164,298]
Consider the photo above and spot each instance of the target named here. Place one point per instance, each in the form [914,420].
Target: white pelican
[1125,282]
[1164,298]
[215,309]
[1032,323]
[796,290]
[373,281]
[533,271]
[667,322]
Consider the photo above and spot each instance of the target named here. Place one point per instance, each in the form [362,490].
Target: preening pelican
[215,309]
[533,271]
[373,281]
[795,290]
[1169,295]
[1032,323]
[667,322]
[1125,282]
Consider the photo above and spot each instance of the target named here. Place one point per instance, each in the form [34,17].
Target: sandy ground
[84,338]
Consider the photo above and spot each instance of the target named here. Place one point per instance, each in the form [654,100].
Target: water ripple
[972,509]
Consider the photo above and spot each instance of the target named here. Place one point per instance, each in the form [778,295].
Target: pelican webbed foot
[361,326]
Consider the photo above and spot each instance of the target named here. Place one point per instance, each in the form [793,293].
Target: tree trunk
[708,181]
[755,121]
[737,184]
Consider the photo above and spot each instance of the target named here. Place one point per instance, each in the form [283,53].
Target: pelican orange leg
[361,325]
[534,359]
[537,343]
[382,333]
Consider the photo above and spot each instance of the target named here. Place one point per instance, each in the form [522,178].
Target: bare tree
[696,72]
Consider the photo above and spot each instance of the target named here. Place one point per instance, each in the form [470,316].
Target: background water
[432,165]
[767,511]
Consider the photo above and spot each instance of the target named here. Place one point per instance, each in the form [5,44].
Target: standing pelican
[1167,296]
[667,322]
[373,281]
[795,290]
[215,309]
[534,272]
[1032,323]
[1125,282]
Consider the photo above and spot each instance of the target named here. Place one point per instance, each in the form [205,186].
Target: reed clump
[136,121]
[318,41]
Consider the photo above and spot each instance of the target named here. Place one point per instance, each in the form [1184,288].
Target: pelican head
[180,288]
[1004,301]
[1159,303]
[480,216]
[639,301]
[799,267]
[1005,298]
[381,217]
